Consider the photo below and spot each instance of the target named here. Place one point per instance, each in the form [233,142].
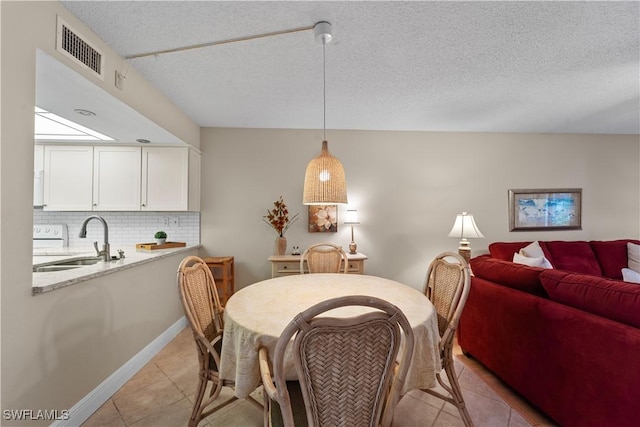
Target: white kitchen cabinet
[68,178]
[165,179]
[116,178]
[194,180]
[120,178]
[38,175]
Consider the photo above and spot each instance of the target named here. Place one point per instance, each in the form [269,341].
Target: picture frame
[323,219]
[545,209]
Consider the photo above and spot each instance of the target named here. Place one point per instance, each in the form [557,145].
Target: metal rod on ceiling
[221,42]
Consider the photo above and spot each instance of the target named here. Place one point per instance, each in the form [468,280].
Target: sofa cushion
[506,273]
[612,256]
[608,298]
[575,256]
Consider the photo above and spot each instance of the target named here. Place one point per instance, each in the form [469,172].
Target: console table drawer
[356,267]
[285,268]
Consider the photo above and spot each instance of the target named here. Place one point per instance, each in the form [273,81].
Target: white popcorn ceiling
[438,66]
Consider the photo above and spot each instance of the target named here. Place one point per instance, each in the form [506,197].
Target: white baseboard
[82,410]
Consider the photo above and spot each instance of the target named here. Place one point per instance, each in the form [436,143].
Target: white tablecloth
[255,316]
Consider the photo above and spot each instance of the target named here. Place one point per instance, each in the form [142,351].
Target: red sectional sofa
[567,339]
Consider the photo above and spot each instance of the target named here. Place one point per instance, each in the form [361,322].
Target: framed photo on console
[545,209]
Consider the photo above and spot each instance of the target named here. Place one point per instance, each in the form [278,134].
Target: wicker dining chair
[204,312]
[447,287]
[324,258]
[346,367]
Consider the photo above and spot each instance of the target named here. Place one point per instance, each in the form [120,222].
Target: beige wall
[56,347]
[408,187]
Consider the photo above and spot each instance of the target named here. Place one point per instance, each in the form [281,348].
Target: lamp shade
[324,180]
[465,227]
[351,217]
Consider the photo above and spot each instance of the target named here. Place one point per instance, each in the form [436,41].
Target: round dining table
[256,315]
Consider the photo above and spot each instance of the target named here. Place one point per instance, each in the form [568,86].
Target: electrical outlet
[175,221]
[165,221]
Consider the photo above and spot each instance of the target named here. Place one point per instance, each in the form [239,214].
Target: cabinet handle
[95,204]
[143,205]
[285,267]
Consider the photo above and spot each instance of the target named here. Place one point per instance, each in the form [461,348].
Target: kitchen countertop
[49,281]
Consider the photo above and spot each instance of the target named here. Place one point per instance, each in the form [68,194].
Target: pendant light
[324,180]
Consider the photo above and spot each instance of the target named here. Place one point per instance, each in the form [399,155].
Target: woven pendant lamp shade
[324,180]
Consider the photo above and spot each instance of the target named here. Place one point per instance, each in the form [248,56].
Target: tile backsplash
[126,228]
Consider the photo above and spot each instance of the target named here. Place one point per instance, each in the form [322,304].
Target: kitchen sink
[66,264]
[48,268]
[79,261]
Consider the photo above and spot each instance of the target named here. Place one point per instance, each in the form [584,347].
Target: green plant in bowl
[160,237]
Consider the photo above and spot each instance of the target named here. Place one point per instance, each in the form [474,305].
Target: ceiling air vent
[70,44]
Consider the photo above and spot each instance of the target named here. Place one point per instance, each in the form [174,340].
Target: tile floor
[161,395]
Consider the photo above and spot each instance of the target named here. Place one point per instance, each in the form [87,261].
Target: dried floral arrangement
[278,217]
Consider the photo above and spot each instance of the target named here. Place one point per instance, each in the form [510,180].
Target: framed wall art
[323,219]
[545,209]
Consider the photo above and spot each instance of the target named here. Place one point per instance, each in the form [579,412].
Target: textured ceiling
[438,66]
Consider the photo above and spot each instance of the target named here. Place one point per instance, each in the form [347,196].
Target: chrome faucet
[105,253]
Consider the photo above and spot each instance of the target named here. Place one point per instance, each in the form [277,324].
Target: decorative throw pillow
[530,261]
[533,250]
[633,253]
[629,275]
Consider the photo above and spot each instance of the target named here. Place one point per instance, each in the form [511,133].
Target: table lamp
[351,219]
[465,228]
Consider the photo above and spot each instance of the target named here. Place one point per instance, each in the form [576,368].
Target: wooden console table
[286,265]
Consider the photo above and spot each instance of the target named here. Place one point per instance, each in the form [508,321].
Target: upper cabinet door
[38,175]
[68,178]
[116,178]
[165,179]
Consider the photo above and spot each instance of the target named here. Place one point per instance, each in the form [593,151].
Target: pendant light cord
[324,90]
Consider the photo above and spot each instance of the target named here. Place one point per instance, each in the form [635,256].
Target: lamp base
[353,248]
[465,250]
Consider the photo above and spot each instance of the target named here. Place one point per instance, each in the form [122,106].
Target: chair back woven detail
[324,258]
[447,287]
[345,366]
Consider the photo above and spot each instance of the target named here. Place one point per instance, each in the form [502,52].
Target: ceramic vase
[281,245]
[161,241]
